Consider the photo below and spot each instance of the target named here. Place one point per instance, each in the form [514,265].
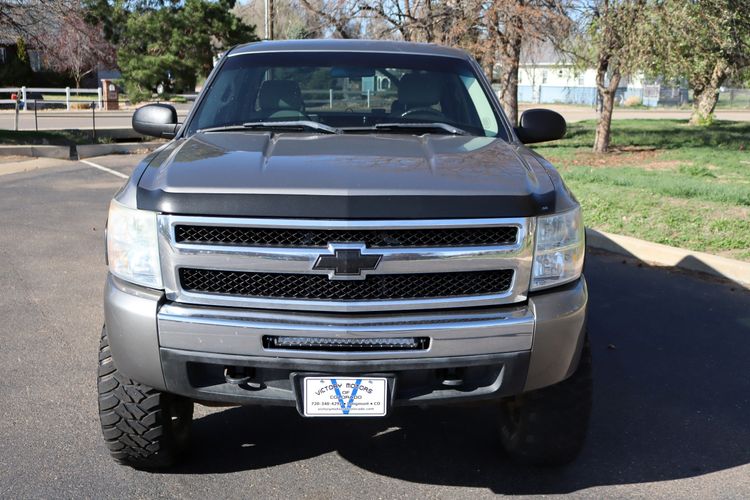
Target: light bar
[346,344]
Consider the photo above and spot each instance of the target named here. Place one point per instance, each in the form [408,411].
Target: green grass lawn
[664,182]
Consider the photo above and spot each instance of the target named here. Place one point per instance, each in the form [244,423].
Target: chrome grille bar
[321,238]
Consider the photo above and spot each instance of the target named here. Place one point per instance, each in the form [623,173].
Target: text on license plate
[348,397]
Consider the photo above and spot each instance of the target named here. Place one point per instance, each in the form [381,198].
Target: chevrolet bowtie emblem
[347,262]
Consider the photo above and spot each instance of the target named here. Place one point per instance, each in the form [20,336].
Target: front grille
[319,287]
[320,238]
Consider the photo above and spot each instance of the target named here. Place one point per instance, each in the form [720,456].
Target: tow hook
[241,376]
[453,377]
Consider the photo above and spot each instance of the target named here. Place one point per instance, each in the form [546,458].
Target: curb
[37,151]
[663,255]
[90,150]
[116,133]
[82,151]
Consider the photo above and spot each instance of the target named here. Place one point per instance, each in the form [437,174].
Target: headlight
[132,248]
[559,249]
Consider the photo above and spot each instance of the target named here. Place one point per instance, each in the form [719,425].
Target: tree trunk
[704,102]
[509,96]
[604,123]
[706,94]
[509,89]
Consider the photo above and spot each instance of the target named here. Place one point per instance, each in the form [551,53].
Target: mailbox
[110,95]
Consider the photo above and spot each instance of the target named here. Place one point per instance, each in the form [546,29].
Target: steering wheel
[424,112]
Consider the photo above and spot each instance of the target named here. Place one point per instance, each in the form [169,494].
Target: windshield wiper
[223,128]
[293,125]
[421,126]
[287,125]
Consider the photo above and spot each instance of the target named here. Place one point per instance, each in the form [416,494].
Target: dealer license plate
[345,397]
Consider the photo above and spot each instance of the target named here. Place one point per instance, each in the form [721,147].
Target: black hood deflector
[388,176]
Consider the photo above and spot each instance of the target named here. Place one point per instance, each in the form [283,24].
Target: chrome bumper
[451,333]
[549,328]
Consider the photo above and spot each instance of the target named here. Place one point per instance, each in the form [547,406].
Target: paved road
[53,120]
[84,120]
[672,392]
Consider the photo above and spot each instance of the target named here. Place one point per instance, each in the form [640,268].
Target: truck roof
[338,45]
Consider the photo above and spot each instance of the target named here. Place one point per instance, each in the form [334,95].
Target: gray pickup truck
[345,227]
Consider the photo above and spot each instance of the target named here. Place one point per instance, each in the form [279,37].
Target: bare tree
[80,48]
[30,19]
[610,40]
[339,15]
[512,23]
[290,18]
[505,23]
[410,20]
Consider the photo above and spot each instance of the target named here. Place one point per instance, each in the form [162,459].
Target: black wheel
[142,427]
[548,426]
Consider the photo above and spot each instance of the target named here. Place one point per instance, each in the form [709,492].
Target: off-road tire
[548,426]
[142,427]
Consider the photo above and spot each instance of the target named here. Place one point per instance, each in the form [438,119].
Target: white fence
[331,98]
[24,96]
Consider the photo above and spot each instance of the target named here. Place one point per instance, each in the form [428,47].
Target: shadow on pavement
[671,400]
[710,266]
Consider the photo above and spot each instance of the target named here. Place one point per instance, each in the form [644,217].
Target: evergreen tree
[171,43]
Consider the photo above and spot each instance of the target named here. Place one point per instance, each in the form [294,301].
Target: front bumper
[473,353]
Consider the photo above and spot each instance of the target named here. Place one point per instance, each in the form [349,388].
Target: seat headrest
[280,94]
[417,90]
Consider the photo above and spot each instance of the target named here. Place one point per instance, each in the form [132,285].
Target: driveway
[671,399]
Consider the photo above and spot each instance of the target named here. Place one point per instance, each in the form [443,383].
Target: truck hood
[387,176]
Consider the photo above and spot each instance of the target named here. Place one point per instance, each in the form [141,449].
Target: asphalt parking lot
[671,409]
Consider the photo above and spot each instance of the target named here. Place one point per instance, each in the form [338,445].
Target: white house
[546,77]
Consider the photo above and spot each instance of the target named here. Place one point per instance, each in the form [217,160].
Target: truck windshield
[351,91]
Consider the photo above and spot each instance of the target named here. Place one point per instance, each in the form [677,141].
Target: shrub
[631,101]
[136,94]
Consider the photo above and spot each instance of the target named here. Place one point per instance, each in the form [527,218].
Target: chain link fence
[648,95]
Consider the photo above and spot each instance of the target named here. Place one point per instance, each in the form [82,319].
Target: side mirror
[539,125]
[157,120]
